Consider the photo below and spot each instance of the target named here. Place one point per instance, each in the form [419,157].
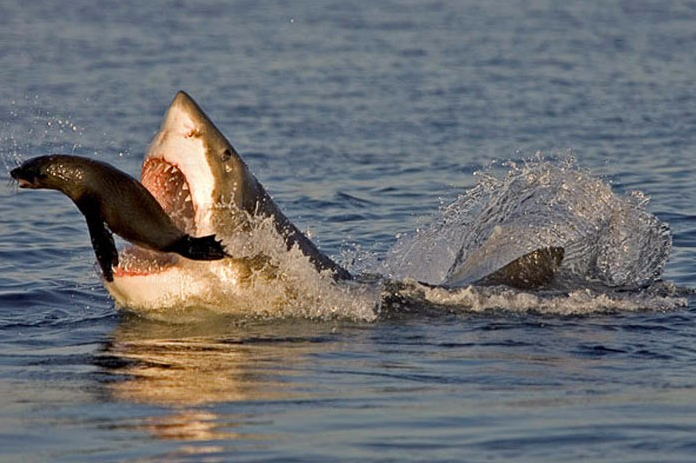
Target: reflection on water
[185,368]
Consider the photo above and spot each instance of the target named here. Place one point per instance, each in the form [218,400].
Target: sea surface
[366,121]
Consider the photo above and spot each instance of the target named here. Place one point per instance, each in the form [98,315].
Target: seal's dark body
[113,200]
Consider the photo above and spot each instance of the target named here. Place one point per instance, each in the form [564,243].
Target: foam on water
[287,283]
[263,280]
[578,301]
[615,254]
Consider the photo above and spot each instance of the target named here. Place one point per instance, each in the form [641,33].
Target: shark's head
[193,170]
[202,184]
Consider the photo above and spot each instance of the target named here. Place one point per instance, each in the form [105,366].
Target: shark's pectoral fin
[102,243]
[530,271]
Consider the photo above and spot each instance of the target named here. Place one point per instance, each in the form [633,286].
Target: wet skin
[113,202]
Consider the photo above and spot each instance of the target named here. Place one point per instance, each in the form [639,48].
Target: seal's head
[31,174]
[55,172]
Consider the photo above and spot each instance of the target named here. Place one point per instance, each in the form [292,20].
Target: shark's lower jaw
[172,286]
[136,261]
[149,280]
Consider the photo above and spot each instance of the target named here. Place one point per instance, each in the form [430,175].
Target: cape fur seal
[113,200]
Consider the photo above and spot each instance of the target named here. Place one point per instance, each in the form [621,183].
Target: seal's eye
[38,173]
[226,155]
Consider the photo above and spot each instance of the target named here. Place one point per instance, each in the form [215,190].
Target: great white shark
[204,186]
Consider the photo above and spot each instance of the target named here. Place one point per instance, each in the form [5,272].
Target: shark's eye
[226,155]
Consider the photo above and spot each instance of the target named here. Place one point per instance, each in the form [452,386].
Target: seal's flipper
[530,271]
[203,248]
[103,244]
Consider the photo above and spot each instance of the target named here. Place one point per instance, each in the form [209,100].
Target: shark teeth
[169,186]
[138,261]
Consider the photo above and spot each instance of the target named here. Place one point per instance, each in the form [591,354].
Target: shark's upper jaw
[176,172]
[182,147]
[171,189]
[194,173]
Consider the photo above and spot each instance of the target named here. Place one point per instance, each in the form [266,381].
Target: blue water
[361,119]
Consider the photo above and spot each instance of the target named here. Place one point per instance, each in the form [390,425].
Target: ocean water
[366,121]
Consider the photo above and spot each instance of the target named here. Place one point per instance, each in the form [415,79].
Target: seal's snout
[24,178]
[14,173]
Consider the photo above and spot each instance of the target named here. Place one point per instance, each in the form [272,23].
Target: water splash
[410,294]
[608,238]
[615,254]
[611,242]
[263,280]
[30,129]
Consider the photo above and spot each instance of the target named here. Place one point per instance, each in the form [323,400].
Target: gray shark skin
[223,177]
[234,181]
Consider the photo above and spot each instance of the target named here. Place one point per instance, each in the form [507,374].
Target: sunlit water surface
[366,122]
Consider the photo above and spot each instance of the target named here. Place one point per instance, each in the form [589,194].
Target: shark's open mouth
[171,190]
